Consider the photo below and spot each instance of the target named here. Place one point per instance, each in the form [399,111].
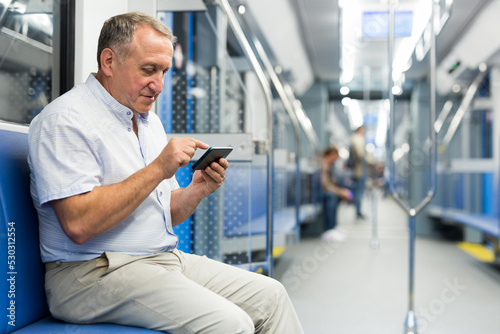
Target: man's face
[137,81]
[332,157]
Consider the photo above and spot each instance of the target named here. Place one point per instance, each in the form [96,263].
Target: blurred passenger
[103,183]
[333,193]
[359,169]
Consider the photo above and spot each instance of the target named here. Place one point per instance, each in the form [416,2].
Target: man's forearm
[183,202]
[87,215]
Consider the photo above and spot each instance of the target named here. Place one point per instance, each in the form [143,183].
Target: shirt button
[128,113]
[161,193]
[129,129]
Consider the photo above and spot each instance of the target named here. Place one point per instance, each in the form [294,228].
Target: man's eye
[149,70]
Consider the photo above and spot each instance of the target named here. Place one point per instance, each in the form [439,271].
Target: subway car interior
[416,250]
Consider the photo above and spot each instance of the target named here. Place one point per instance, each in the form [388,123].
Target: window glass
[26,31]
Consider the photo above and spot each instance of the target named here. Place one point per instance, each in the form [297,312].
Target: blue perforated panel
[184,230]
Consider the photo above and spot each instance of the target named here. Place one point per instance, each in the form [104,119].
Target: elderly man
[104,187]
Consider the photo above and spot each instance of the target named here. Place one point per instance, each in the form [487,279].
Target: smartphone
[211,155]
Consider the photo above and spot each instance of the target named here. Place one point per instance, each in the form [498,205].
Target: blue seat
[50,325]
[22,276]
[252,218]
[486,224]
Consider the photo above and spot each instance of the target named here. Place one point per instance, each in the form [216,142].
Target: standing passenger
[104,187]
[359,169]
[332,194]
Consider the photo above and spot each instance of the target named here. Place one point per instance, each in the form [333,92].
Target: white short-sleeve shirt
[85,139]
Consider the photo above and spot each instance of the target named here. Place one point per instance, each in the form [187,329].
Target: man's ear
[108,57]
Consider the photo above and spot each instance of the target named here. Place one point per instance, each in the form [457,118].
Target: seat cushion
[22,283]
[52,326]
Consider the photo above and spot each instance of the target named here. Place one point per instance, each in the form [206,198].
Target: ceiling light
[343,152]
[405,147]
[354,112]
[420,38]
[242,9]
[344,90]
[383,117]
[396,90]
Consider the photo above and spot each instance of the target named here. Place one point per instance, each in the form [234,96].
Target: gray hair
[117,33]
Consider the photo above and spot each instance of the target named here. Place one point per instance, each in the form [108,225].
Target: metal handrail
[445,111]
[294,110]
[466,102]
[240,36]
[411,320]
[305,121]
[285,92]
[412,211]
[289,108]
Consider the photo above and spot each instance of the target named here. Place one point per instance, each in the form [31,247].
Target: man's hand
[210,179]
[177,153]
[184,201]
[346,194]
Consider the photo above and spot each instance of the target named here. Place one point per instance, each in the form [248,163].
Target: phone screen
[211,155]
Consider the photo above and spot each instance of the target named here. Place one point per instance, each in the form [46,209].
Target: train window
[206,93]
[26,59]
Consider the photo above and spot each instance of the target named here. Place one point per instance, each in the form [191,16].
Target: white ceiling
[316,30]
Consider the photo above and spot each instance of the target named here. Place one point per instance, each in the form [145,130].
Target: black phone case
[211,155]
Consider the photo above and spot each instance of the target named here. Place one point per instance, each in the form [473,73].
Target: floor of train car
[347,288]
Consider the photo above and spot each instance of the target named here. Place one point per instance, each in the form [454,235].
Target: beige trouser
[172,291]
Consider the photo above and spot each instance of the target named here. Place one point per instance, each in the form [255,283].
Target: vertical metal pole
[374,243]
[390,54]
[411,319]
[285,98]
[433,88]
[247,49]
[495,93]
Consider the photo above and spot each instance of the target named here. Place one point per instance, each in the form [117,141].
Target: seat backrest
[22,293]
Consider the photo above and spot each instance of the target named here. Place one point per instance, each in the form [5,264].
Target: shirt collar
[111,103]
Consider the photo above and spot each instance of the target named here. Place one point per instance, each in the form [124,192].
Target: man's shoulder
[79,93]
[72,102]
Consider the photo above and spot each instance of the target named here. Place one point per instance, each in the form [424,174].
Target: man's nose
[156,83]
